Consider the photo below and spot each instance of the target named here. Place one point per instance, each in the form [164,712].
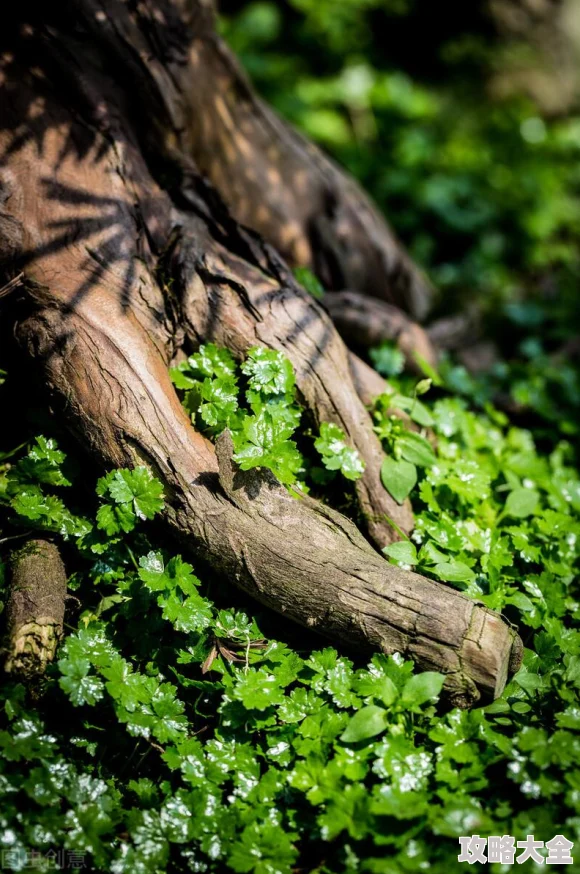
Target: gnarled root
[120,271]
[364,322]
[35,609]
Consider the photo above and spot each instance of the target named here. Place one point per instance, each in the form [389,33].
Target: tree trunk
[128,254]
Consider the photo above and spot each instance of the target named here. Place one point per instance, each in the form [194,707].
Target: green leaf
[263,442]
[372,684]
[114,518]
[262,848]
[212,361]
[192,613]
[416,449]
[521,503]
[427,368]
[47,512]
[309,281]
[421,688]
[76,682]
[140,487]
[269,371]
[335,452]
[366,723]
[158,576]
[398,477]
[42,465]
[132,493]
[403,552]
[220,398]
[415,408]
[387,359]
[453,572]
[181,377]
[521,601]
[258,689]
[528,681]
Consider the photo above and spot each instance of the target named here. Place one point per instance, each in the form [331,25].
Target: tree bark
[128,255]
[287,189]
[364,322]
[35,609]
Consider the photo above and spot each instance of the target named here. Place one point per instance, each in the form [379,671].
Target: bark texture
[35,609]
[287,189]
[364,322]
[128,254]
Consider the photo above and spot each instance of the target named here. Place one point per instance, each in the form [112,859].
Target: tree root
[35,609]
[364,322]
[120,271]
[285,188]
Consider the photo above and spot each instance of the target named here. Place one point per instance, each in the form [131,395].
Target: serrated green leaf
[264,442]
[133,494]
[212,361]
[176,574]
[269,371]
[220,398]
[336,453]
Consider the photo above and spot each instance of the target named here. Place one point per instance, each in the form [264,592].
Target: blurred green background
[462,120]
[483,187]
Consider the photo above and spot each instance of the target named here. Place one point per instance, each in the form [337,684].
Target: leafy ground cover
[182,729]
[185,729]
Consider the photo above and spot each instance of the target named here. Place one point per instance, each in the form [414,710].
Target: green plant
[263,418]
[176,734]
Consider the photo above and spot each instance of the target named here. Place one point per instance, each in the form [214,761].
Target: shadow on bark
[127,255]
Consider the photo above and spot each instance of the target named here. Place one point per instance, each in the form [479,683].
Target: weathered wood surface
[127,255]
[35,608]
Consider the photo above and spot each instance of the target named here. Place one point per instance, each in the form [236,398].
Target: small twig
[11,285]
[14,537]
[247,665]
[4,456]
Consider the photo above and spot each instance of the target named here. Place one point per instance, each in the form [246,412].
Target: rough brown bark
[364,322]
[35,608]
[121,269]
[287,189]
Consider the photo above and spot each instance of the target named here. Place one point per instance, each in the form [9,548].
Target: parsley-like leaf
[336,453]
[264,442]
[132,495]
[269,371]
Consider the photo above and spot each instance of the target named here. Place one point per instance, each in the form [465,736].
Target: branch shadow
[51,75]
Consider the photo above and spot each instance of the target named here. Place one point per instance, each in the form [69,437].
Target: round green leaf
[522,503]
[403,551]
[366,722]
[421,688]
[398,477]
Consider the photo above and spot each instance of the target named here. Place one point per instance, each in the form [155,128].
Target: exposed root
[35,609]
